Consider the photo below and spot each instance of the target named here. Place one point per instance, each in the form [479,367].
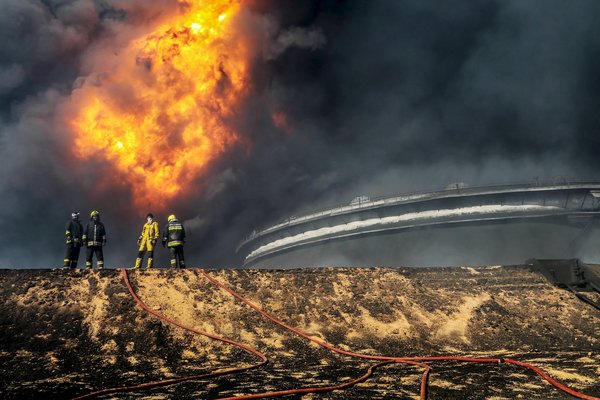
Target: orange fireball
[157,112]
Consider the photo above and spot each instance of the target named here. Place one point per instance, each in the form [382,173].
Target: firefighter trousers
[140,258]
[177,260]
[72,255]
[99,256]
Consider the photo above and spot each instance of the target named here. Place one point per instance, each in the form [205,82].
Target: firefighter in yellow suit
[147,241]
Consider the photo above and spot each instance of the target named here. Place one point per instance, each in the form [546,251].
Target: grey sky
[382,97]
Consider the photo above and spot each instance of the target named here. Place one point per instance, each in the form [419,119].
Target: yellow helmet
[171,218]
[94,213]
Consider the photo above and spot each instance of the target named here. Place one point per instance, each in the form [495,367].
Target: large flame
[158,114]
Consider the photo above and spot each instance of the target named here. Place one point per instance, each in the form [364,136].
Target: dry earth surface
[68,333]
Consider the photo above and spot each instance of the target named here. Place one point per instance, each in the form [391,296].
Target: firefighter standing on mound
[147,241]
[74,241]
[174,238]
[94,237]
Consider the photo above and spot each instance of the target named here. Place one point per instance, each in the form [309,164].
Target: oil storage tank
[459,225]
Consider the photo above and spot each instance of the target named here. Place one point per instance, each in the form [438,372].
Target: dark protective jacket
[74,233]
[174,234]
[94,234]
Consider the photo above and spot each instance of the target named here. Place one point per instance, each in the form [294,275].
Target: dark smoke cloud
[380,97]
[43,46]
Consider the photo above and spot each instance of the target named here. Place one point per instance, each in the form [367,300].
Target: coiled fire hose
[264,360]
[533,368]
[385,359]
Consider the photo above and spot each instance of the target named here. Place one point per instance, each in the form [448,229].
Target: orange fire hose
[346,385]
[264,361]
[533,368]
[149,385]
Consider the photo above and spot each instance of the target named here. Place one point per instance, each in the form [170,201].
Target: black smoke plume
[379,97]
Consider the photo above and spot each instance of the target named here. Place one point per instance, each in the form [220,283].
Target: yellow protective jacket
[149,236]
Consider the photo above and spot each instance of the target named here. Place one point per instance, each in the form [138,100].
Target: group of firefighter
[93,237]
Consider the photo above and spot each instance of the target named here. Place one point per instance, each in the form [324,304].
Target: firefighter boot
[150,262]
[100,264]
[138,263]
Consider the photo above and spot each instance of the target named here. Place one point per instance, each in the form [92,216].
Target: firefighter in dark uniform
[174,239]
[74,241]
[94,237]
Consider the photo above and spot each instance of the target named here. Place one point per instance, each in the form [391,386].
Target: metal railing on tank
[366,202]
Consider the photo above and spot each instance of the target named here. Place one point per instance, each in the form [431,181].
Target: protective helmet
[94,213]
[171,218]
[74,214]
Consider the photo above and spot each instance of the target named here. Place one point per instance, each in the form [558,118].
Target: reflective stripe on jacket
[174,234]
[95,234]
[74,232]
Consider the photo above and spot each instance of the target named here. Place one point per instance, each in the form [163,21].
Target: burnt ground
[67,333]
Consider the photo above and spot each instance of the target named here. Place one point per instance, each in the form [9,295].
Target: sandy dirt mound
[66,333]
